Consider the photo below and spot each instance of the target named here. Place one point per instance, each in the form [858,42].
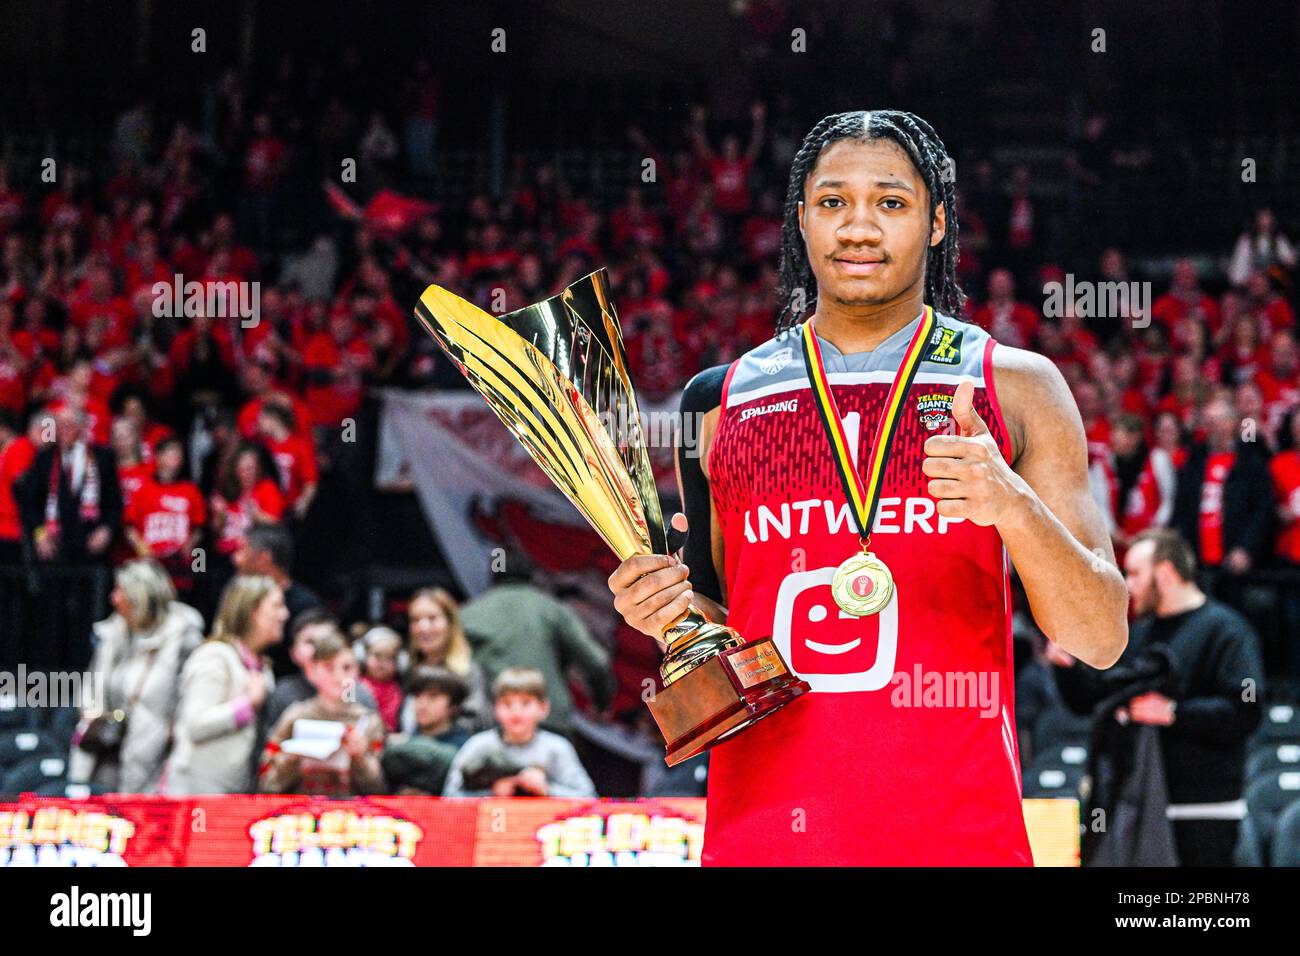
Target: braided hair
[930,157]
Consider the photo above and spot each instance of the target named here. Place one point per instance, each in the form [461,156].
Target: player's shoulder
[771,366]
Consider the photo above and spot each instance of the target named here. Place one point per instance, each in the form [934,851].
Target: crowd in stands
[179,450]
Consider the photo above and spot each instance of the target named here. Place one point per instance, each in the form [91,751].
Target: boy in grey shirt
[517,758]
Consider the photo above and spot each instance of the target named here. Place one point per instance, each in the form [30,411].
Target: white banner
[479,489]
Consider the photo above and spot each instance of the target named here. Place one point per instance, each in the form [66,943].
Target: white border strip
[882,377]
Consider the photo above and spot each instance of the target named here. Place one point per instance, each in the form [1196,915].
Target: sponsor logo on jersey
[945,346]
[789,405]
[777,361]
[935,410]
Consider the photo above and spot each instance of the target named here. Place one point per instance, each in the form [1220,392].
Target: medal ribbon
[863,497]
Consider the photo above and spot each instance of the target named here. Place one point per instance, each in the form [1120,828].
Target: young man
[517,756]
[889,760]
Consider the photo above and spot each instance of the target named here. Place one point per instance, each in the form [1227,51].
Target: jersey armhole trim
[726,382]
[992,390]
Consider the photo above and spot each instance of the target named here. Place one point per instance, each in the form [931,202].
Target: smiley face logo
[827,647]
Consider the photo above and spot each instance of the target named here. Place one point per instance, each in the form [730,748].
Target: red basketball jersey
[905,751]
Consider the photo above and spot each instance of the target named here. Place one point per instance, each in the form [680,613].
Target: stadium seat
[1266,798]
[1272,757]
[1286,837]
[13,717]
[1281,722]
[18,746]
[33,774]
[1053,779]
[60,723]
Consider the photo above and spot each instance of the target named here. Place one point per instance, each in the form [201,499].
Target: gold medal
[862,585]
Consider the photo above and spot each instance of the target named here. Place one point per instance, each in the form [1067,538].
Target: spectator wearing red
[259,383]
[133,472]
[236,261]
[146,266]
[1279,383]
[729,172]
[381,673]
[1243,354]
[82,388]
[35,339]
[1186,393]
[761,235]
[1009,321]
[95,299]
[1149,501]
[13,365]
[335,363]
[1185,298]
[167,515]
[1220,488]
[491,256]
[244,497]
[1285,471]
[294,457]
[634,224]
[17,452]
[265,158]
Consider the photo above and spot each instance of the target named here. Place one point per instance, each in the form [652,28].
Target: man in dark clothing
[70,505]
[1215,682]
[268,549]
[1223,503]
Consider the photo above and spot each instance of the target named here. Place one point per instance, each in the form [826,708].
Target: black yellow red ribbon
[864,496]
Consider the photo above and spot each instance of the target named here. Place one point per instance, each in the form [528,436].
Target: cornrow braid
[930,157]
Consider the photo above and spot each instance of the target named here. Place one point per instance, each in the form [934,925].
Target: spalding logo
[776,361]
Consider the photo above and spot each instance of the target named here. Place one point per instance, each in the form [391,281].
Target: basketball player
[878,431]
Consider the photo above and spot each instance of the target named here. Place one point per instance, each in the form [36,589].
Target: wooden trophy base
[722,696]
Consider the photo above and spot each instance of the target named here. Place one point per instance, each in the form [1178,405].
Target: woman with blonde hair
[223,687]
[122,742]
[435,638]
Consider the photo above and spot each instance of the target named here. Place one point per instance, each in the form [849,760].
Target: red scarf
[89,492]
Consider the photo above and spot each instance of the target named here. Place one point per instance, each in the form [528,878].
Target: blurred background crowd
[182,433]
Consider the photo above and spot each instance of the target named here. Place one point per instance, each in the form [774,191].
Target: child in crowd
[383,646]
[517,758]
[354,768]
[419,763]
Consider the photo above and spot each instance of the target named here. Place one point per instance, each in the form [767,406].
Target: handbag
[103,736]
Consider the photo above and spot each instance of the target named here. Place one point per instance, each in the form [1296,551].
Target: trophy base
[723,696]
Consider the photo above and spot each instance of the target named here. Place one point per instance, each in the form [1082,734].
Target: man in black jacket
[71,508]
[1223,505]
[1214,683]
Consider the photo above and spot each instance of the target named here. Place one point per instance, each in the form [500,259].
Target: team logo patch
[945,346]
[777,361]
[935,410]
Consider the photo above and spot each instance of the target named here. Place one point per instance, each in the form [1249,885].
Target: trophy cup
[556,374]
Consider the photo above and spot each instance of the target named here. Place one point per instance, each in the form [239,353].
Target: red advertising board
[290,831]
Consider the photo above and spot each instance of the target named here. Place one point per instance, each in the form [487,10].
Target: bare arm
[1040,505]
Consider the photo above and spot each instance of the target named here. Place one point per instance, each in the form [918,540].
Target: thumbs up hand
[969,478]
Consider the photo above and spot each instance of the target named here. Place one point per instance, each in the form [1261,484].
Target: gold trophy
[556,374]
